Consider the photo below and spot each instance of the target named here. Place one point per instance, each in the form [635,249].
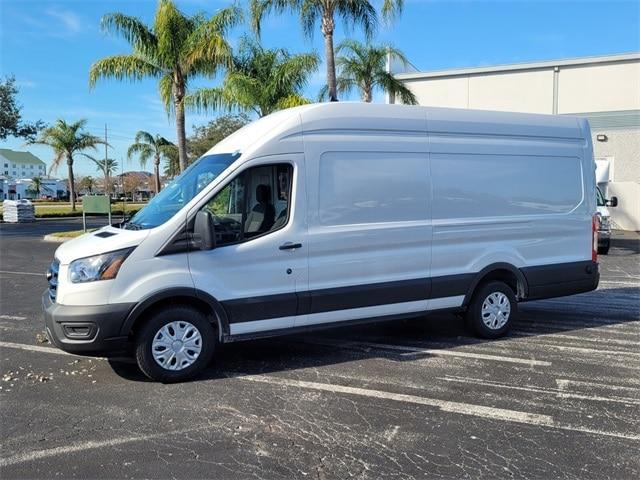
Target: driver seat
[262,216]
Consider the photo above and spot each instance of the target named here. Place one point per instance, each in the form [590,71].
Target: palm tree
[36,186]
[147,146]
[261,80]
[67,139]
[362,67]
[174,49]
[356,12]
[172,168]
[107,167]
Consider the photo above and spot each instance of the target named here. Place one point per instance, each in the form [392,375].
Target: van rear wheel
[175,344]
[492,310]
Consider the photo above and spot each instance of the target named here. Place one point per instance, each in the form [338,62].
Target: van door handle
[290,246]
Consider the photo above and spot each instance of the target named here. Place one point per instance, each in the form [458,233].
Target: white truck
[331,214]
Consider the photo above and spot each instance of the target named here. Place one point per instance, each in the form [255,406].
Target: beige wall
[448,92]
[624,146]
[581,89]
[599,88]
[518,91]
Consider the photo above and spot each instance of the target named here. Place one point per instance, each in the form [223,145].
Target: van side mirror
[204,234]
[612,202]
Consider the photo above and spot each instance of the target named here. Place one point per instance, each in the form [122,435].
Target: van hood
[106,239]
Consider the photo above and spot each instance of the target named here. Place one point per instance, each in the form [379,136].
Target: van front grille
[52,278]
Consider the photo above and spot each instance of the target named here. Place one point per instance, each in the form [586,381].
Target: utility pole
[124,194]
[106,164]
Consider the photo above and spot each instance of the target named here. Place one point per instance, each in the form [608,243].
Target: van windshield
[181,190]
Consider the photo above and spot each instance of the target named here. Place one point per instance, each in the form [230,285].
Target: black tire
[474,314]
[144,340]
[604,249]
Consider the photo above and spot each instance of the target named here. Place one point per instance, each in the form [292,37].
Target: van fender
[178,292]
[477,279]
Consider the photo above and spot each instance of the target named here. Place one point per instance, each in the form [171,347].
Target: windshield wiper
[131,226]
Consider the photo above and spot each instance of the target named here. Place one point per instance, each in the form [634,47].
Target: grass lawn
[72,233]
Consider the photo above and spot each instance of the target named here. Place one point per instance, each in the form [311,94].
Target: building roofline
[569,62]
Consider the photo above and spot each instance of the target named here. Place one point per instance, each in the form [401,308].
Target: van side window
[254,203]
[372,187]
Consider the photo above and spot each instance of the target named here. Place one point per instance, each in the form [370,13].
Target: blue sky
[49,46]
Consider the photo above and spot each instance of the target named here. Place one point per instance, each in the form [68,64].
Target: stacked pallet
[18,211]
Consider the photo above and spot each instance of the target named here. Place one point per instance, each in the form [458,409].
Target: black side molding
[558,280]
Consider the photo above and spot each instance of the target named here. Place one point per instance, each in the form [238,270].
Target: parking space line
[532,332]
[414,351]
[34,348]
[444,405]
[488,413]
[22,273]
[89,445]
[11,317]
[559,392]
[56,351]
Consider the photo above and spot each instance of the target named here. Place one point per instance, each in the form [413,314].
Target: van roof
[336,117]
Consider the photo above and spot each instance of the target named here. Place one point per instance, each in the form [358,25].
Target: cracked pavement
[558,398]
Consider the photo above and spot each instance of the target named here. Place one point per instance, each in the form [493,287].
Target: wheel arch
[189,296]
[502,271]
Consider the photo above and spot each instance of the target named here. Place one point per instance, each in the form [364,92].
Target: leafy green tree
[11,123]
[353,12]
[176,48]
[362,67]
[88,183]
[261,81]
[67,140]
[147,146]
[206,136]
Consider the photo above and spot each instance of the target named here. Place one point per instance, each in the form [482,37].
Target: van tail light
[594,238]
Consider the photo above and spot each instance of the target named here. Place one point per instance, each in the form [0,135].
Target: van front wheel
[492,310]
[175,344]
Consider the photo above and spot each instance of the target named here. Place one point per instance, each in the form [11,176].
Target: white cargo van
[330,214]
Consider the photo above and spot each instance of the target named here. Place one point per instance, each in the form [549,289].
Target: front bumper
[86,330]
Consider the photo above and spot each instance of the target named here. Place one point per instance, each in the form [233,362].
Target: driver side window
[254,203]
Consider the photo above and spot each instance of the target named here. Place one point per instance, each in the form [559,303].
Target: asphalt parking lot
[558,398]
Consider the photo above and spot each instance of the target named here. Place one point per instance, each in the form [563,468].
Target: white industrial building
[605,89]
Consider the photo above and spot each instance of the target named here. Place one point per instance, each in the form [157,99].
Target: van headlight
[98,267]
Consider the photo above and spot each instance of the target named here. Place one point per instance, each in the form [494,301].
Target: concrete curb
[53,238]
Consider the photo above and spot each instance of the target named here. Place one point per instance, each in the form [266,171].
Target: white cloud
[70,21]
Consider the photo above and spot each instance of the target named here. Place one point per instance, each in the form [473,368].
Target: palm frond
[358,12]
[122,66]
[132,30]
[260,8]
[144,137]
[292,101]
[208,99]
[392,8]
[392,85]
[171,28]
